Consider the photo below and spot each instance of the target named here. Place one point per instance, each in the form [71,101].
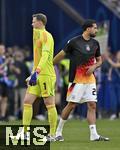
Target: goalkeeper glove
[33,79]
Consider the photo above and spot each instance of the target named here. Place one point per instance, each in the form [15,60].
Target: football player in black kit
[84,54]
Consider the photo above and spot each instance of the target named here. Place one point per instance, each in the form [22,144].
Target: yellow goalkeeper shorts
[45,86]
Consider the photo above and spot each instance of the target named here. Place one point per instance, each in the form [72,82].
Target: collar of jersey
[39,29]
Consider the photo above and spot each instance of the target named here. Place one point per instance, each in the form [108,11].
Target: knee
[49,101]
[91,105]
[26,101]
[29,99]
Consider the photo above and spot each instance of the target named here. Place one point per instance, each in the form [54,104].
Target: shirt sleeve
[46,47]
[97,54]
[45,55]
[68,48]
[47,42]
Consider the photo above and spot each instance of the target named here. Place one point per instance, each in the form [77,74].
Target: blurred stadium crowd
[16,65]
[114,4]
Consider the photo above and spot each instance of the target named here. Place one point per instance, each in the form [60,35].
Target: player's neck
[41,27]
[85,36]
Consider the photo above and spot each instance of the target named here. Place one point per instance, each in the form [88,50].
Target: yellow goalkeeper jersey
[43,47]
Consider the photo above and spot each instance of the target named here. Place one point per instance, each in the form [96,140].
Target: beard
[92,35]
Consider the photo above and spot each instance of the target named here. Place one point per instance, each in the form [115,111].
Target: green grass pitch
[76,135]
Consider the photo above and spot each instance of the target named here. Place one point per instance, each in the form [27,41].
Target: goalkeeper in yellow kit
[41,83]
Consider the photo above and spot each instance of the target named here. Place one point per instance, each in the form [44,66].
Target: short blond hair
[41,17]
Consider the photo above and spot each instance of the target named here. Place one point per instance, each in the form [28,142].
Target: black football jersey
[80,52]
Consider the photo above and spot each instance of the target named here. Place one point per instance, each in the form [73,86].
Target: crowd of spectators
[114,4]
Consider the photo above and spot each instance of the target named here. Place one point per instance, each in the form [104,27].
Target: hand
[33,79]
[90,70]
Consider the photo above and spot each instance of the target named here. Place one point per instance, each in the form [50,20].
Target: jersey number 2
[94,91]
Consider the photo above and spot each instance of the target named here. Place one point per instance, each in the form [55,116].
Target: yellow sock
[27,116]
[52,118]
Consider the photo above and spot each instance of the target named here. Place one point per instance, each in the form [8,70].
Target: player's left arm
[41,65]
[98,57]
[98,61]
[45,53]
[95,66]
[42,62]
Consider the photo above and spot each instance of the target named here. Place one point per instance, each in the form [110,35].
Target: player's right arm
[59,57]
[66,51]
